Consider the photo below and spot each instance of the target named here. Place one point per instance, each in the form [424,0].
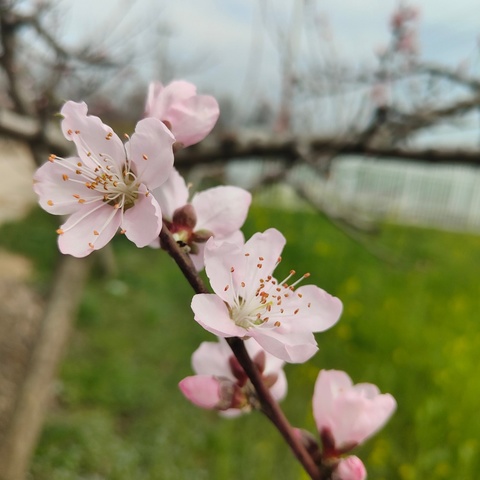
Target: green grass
[411,328]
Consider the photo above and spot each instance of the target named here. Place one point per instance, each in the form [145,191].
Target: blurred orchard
[359,170]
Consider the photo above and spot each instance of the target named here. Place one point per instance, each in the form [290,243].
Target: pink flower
[346,414]
[221,382]
[189,116]
[249,302]
[108,185]
[218,212]
[350,468]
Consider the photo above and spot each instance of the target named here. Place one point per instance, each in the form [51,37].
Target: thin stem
[268,404]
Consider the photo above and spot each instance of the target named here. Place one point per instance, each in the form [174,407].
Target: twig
[268,405]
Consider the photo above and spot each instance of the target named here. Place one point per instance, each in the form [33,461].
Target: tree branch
[268,404]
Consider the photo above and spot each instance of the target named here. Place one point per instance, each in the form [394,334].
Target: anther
[50,202]
[226,288]
[77,131]
[69,131]
[95,232]
[145,157]
[277,323]
[243,284]
[65,177]
[296,311]
[122,231]
[232,269]
[91,245]
[52,157]
[59,231]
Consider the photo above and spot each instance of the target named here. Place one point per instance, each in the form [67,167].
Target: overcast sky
[222,35]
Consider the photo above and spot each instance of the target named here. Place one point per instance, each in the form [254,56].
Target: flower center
[266,305]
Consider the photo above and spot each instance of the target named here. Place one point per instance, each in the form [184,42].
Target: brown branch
[268,404]
[454,75]
[287,149]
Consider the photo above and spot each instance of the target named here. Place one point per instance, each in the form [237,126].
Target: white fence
[445,197]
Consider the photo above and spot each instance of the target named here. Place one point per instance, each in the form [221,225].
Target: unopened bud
[185,216]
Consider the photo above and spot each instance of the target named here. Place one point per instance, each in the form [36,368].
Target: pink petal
[198,258]
[222,210]
[91,136]
[212,358]
[360,418]
[57,195]
[280,387]
[201,390]
[172,194]
[220,258]
[323,312]
[142,223]
[346,411]
[190,116]
[292,348]
[262,252]
[212,314]
[150,150]
[350,468]
[193,119]
[160,98]
[79,238]
[327,387]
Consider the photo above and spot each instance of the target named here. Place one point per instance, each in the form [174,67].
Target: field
[410,326]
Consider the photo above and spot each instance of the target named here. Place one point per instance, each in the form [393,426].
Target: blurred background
[356,127]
